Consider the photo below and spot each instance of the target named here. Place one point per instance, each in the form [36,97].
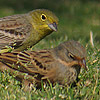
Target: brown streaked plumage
[61,64]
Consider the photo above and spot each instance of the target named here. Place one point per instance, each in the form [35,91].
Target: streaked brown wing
[39,63]
[29,61]
[33,61]
[11,60]
[13,29]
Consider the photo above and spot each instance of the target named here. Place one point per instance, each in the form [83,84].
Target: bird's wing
[13,29]
[40,63]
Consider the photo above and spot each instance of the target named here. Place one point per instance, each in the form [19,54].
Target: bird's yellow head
[44,20]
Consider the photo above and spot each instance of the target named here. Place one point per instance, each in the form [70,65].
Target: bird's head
[44,20]
[72,54]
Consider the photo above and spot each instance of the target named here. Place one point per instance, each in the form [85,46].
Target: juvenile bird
[61,64]
[25,30]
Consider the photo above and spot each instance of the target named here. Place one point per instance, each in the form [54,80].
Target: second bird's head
[44,20]
[73,53]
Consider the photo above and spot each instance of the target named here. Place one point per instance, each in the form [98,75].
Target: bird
[60,65]
[22,31]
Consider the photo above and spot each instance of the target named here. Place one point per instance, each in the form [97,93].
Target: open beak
[83,64]
[53,26]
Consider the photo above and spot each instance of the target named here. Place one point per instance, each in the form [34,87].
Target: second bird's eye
[43,17]
[71,56]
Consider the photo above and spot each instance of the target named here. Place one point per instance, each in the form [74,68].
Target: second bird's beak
[53,26]
[83,64]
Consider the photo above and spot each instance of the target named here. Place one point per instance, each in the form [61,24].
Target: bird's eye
[43,17]
[71,56]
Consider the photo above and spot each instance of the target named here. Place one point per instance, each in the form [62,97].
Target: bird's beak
[53,26]
[82,63]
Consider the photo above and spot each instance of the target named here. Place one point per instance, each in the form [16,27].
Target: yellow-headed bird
[25,30]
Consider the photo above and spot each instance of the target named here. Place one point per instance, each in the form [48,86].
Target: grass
[76,20]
